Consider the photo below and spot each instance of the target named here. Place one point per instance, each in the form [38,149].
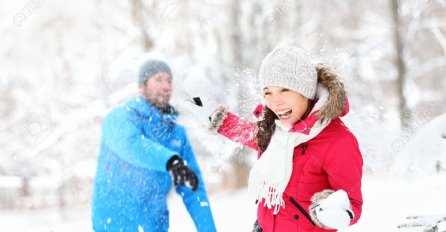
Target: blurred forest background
[65,64]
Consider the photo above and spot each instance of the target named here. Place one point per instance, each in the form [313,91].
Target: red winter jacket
[331,160]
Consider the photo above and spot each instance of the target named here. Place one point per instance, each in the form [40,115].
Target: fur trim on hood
[336,102]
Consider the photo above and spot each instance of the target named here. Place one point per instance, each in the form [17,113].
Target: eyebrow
[266,88]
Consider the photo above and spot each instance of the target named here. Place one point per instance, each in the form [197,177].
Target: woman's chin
[289,121]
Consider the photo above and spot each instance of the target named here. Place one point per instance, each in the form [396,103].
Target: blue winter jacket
[131,182]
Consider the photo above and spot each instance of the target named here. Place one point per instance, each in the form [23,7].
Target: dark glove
[181,173]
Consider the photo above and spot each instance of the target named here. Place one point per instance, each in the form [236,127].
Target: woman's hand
[331,210]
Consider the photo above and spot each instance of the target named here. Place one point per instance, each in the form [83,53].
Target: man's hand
[181,173]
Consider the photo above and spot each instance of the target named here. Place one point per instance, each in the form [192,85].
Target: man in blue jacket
[143,151]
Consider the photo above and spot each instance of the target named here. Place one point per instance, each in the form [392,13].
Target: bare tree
[138,12]
[238,161]
[400,65]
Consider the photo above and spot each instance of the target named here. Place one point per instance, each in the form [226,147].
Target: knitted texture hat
[291,68]
[150,68]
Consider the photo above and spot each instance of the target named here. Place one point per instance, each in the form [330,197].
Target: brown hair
[266,126]
[265,129]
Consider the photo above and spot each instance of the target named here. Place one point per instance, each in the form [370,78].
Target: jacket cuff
[217,119]
[317,197]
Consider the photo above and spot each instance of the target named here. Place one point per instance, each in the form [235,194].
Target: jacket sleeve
[239,130]
[343,165]
[123,137]
[197,203]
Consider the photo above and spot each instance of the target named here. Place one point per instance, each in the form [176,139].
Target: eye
[266,93]
[284,90]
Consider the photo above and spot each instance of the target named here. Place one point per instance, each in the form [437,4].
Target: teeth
[283,112]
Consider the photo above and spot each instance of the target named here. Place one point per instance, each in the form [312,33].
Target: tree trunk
[238,163]
[241,168]
[401,67]
[236,40]
[138,13]
[25,187]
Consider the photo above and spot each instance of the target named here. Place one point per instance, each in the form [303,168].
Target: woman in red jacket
[308,175]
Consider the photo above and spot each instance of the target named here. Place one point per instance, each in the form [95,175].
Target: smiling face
[288,105]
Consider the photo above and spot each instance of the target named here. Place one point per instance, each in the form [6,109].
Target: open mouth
[284,114]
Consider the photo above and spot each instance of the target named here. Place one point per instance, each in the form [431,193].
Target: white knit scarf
[270,174]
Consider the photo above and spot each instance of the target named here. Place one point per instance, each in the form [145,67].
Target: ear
[143,89]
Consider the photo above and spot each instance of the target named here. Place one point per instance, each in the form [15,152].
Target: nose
[166,86]
[276,101]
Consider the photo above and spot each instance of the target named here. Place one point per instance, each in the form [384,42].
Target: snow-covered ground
[386,204]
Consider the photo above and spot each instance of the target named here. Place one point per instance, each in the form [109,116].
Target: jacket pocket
[297,215]
[301,210]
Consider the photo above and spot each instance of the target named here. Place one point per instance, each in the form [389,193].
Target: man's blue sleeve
[129,143]
[197,202]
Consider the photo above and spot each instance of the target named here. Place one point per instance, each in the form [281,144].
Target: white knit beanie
[291,68]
